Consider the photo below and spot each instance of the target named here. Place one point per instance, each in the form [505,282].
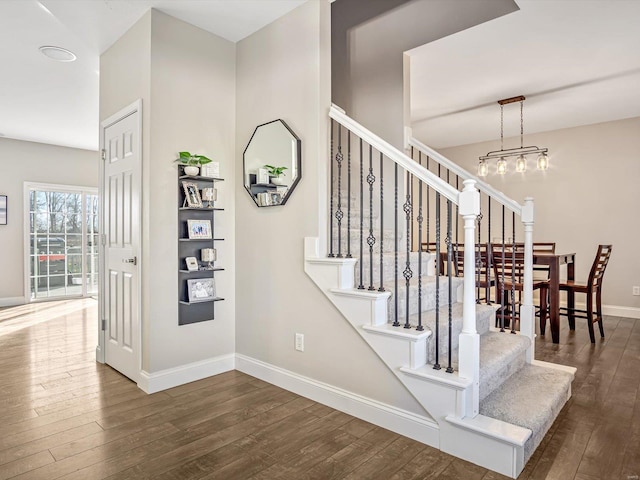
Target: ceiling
[576,61]
[51,102]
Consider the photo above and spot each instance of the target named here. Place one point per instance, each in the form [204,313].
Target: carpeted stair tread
[531,398]
[484,318]
[501,355]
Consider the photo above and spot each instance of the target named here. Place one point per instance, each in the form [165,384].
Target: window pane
[56,202]
[74,223]
[74,203]
[56,222]
[42,222]
[74,244]
[74,264]
[41,202]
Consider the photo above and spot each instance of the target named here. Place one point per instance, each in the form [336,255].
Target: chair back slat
[600,265]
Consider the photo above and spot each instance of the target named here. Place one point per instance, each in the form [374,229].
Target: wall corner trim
[173,377]
[409,424]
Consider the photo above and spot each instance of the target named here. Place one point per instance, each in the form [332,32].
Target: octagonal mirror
[272,164]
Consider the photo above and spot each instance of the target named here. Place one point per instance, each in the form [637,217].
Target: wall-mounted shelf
[216,269]
[216,299]
[203,209]
[203,310]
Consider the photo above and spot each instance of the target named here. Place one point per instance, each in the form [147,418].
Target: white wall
[588,196]
[283,72]
[186,79]
[33,162]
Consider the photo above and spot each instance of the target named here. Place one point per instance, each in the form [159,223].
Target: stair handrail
[397,156]
[465,175]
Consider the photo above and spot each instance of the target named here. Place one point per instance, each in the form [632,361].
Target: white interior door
[121,216]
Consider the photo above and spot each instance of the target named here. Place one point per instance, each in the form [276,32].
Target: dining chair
[592,287]
[508,268]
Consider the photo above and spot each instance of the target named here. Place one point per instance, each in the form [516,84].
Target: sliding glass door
[63,242]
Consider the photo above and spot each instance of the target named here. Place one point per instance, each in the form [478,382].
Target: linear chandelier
[520,153]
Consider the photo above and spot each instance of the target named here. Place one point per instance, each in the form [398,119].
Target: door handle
[133,260]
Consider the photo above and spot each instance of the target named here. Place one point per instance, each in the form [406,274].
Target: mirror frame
[299,163]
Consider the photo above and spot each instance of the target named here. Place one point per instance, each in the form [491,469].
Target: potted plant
[192,162]
[276,174]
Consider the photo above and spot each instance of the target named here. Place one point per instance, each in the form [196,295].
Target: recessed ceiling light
[58,53]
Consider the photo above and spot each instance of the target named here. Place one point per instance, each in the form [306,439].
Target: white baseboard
[11,301]
[620,311]
[417,427]
[613,310]
[173,377]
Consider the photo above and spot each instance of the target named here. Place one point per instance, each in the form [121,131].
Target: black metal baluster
[339,213]
[489,253]
[381,288]
[513,274]
[478,261]
[331,255]
[449,258]
[419,219]
[361,285]
[457,217]
[407,273]
[502,301]
[371,239]
[436,366]
[348,193]
[396,323]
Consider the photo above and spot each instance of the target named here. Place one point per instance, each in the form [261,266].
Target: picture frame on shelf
[192,194]
[192,263]
[263,176]
[276,198]
[201,289]
[199,229]
[210,170]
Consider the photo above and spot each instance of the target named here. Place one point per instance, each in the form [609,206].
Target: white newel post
[469,346]
[527,310]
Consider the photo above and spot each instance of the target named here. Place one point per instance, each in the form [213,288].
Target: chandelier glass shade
[520,153]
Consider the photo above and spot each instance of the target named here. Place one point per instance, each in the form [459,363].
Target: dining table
[553,261]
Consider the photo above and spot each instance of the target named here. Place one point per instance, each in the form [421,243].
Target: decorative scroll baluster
[407,273]
[513,273]
[449,258]
[371,239]
[331,255]
[361,285]
[436,366]
[419,220]
[381,288]
[457,218]
[396,323]
[339,213]
[348,193]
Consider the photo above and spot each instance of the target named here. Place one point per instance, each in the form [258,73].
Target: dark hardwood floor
[65,416]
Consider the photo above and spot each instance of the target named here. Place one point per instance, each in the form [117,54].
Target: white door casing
[120,339]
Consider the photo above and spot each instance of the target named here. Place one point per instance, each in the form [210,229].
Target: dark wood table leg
[570,294]
[554,299]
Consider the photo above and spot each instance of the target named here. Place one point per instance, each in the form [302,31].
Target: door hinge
[103,327]
[103,154]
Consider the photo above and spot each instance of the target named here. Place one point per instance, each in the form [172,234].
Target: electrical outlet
[636,291]
[300,342]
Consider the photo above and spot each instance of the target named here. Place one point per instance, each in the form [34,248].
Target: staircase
[491,400]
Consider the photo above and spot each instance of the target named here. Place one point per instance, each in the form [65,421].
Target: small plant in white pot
[276,174]
[192,162]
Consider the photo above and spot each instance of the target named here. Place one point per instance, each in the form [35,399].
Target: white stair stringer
[491,443]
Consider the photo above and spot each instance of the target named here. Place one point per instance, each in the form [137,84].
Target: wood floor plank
[94,423]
